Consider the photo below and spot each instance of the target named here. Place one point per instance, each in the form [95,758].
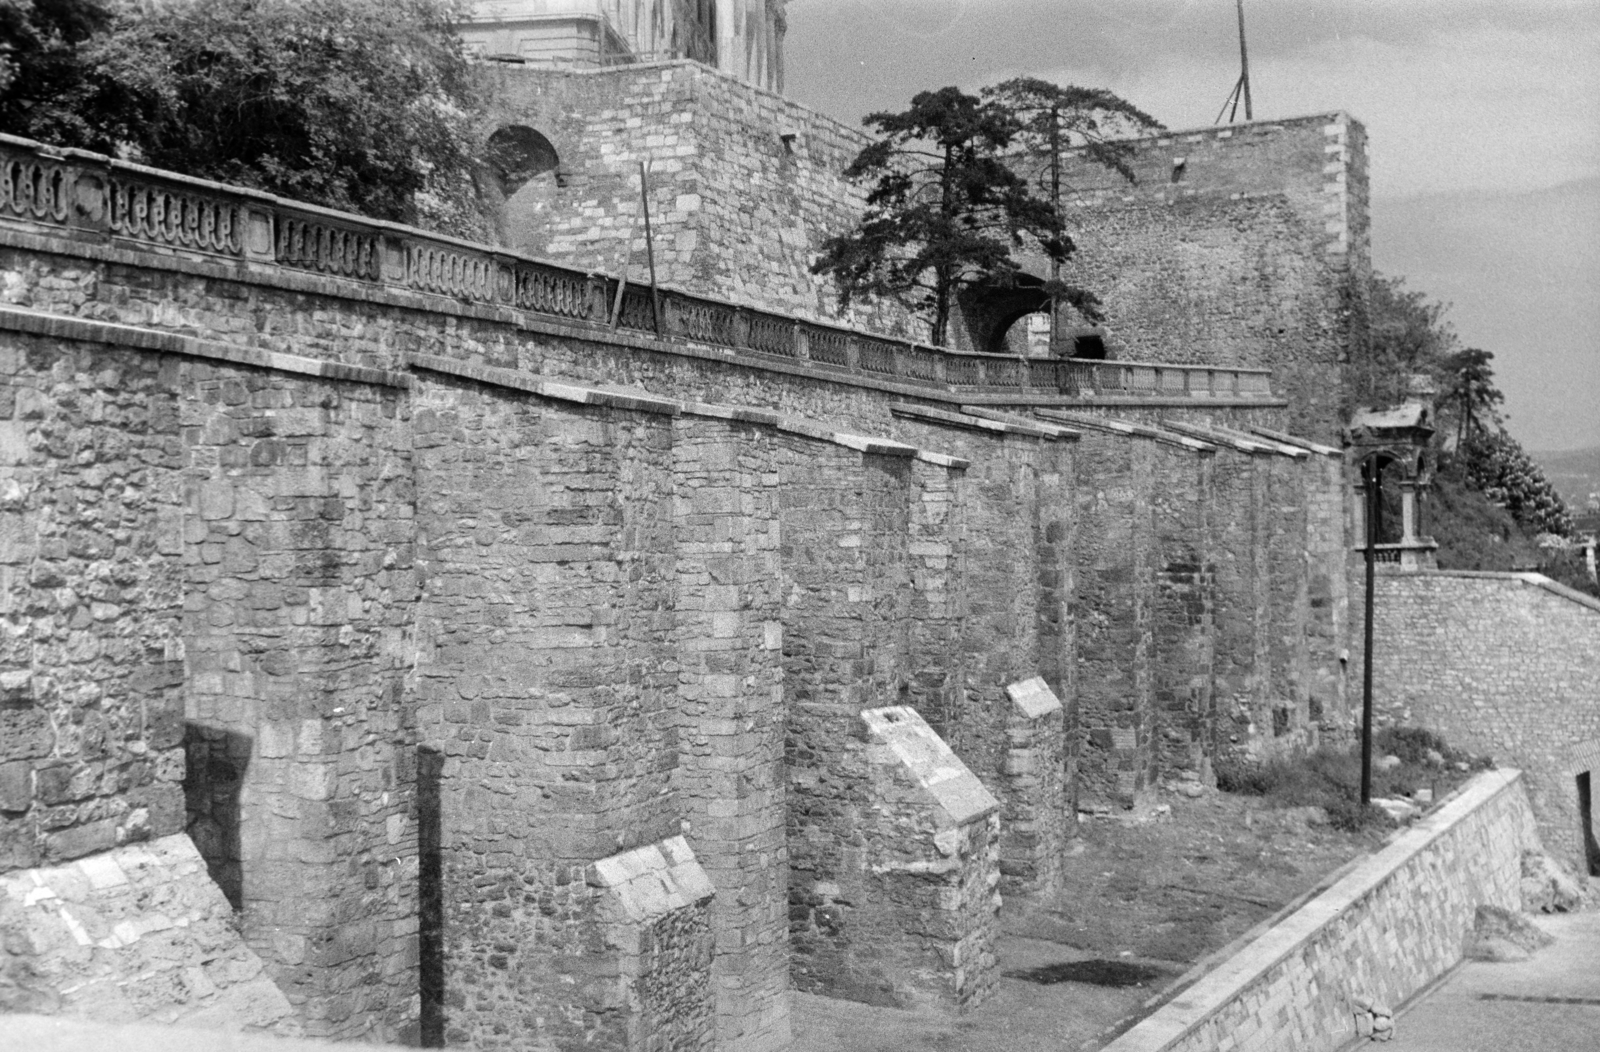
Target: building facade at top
[742,38]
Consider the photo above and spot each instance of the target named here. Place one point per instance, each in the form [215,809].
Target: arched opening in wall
[1591,846]
[516,154]
[1388,523]
[989,315]
[1089,346]
[525,168]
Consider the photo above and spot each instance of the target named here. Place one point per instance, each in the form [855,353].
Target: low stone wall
[1392,924]
[136,934]
[904,913]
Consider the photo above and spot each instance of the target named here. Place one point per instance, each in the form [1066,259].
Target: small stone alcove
[516,154]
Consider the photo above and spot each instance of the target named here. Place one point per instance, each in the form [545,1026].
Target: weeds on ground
[1331,778]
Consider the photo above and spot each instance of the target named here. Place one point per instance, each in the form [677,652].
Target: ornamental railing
[95,197]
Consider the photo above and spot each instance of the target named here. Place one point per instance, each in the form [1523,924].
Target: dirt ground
[1142,903]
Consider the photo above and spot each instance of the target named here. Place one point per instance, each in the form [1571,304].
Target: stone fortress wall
[1253,251]
[744,185]
[533,671]
[512,671]
[1243,243]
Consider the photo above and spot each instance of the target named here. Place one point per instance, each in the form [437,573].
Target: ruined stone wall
[220,568]
[844,573]
[1241,244]
[1115,572]
[298,601]
[1014,558]
[1183,613]
[728,640]
[447,629]
[91,721]
[1504,665]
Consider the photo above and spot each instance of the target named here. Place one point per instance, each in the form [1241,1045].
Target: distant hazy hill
[1575,473]
[1521,273]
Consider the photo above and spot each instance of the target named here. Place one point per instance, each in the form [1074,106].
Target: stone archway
[516,154]
[987,312]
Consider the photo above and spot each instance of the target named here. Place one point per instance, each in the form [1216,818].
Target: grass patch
[1404,760]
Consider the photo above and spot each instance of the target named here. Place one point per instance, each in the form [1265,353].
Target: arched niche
[989,312]
[516,154]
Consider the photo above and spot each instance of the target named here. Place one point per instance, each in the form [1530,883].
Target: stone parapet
[1392,923]
[87,205]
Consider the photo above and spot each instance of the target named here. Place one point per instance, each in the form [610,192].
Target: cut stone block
[1033,698]
[85,941]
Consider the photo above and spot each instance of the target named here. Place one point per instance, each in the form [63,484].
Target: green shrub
[1331,778]
[1410,744]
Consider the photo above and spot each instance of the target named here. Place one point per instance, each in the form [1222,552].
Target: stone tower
[743,38]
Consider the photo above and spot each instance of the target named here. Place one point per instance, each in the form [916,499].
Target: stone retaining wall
[270,536]
[1505,665]
[1393,923]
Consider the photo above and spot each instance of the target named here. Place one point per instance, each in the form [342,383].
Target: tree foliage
[1470,394]
[1409,336]
[44,83]
[1490,500]
[363,105]
[1495,464]
[947,203]
[1052,117]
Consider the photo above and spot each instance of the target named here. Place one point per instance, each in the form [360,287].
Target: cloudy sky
[1483,115]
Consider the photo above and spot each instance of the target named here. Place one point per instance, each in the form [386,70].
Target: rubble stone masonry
[1241,243]
[410,611]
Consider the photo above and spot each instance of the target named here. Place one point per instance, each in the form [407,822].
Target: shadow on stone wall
[214,766]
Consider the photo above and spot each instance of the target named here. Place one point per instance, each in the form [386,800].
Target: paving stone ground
[1513,1006]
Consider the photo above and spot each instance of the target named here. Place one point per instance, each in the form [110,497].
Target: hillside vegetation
[1492,507]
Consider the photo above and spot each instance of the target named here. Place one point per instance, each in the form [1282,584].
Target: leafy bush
[1410,744]
[1331,778]
[364,105]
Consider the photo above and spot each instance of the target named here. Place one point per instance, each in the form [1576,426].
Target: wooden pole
[1244,65]
[650,251]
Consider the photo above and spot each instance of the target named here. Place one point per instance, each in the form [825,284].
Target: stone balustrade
[89,196]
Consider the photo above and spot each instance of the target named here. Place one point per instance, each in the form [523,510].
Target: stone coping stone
[1227,438]
[38,1033]
[899,734]
[645,402]
[1289,449]
[1212,992]
[653,880]
[976,421]
[1065,434]
[137,933]
[1295,440]
[115,334]
[1123,427]
[1033,697]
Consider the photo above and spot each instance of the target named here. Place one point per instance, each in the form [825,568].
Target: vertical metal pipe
[1369,476]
